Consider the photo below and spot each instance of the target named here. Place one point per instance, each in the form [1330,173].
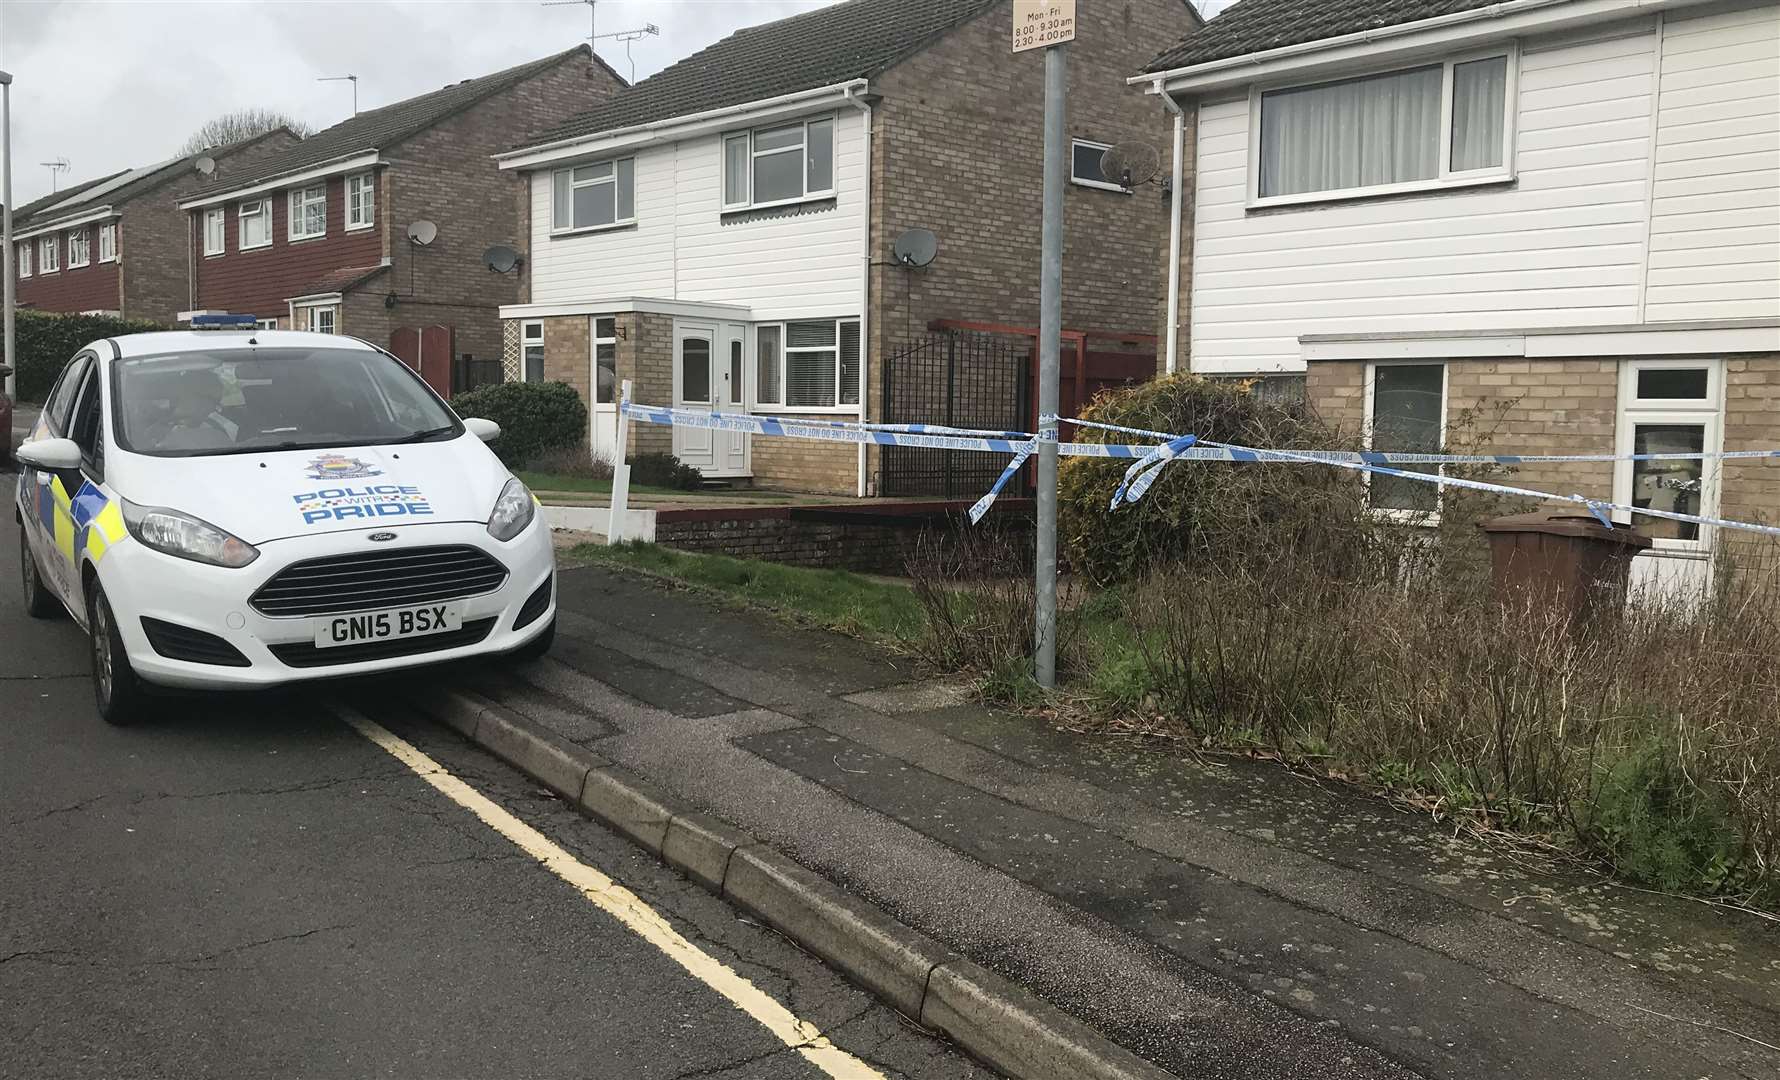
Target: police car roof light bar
[224,322]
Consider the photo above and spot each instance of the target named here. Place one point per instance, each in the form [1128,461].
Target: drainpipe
[864,108]
[1176,201]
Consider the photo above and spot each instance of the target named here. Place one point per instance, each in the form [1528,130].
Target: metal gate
[962,380]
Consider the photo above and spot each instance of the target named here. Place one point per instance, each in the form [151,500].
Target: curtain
[1384,129]
[1478,88]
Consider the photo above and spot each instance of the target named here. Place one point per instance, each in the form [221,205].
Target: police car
[244,508]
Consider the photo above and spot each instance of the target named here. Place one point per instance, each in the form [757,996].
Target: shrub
[577,461]
[47,340]
[534,418]
[665,470]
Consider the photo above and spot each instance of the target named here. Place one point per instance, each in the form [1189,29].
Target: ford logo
[380,537]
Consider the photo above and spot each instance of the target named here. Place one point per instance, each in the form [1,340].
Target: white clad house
[1569,205]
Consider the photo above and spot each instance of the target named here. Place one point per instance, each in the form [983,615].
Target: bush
[577,461]
[535,418]
[665,470]
[48,340]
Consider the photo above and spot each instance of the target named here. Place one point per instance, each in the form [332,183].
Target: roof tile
[1253,26]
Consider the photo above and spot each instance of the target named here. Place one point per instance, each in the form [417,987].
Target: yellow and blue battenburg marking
[90,522]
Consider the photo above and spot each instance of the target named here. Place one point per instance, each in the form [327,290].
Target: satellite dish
[1130,164]
[500,259]
[915,248]
[205,165]
[423,232]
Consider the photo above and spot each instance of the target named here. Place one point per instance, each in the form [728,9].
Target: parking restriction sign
[1038,23]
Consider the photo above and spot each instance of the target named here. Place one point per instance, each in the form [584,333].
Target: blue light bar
[224,322]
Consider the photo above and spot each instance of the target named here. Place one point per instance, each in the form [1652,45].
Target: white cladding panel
[1715,208]
[1562,246]
[682,248]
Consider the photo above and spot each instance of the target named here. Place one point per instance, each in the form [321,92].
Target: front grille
[177,642]
[534,604]
[304,654]
[404,577]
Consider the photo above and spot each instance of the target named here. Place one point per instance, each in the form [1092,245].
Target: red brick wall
[260,281]
[93,287]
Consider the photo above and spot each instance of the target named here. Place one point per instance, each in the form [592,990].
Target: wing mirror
[486,430]
[56,455]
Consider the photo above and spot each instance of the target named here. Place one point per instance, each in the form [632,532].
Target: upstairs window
[309,212]
[49,254]
[1414,129]
[255,219]
[24,260]
[773,165]
[595,196]
[108,242]
[80,248]
[215,221]
[361,200]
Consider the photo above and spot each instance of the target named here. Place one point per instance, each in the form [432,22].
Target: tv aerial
[501,259]
[422,233]
[56,169]
[1130,164]
[915,248]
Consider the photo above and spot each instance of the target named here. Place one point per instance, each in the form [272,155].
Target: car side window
[61,399]
[86,431]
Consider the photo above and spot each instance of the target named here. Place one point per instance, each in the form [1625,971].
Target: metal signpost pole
[1050,326]
[7,300]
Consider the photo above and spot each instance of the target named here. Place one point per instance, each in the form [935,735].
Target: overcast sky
[113,84]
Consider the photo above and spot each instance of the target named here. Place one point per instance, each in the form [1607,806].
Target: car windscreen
[237,401]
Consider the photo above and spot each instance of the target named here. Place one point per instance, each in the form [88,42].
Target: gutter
[865,261]
[85,217]
[1177,201]
[545,152]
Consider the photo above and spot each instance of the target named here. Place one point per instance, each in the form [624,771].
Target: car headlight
[186,537]
[513,511]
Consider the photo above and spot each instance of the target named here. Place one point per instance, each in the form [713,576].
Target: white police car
[241,509]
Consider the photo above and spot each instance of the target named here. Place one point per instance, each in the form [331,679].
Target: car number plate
[367,626]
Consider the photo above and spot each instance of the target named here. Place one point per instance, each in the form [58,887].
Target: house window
[1084,165]
[214,223]
[531,336]
[24,260]
[808,364]
[80,248]
[265,324]
[361,200]
[767,166]
[319,319]
[49,254]
[1406,414]
[605,361]
[309,212]
[255,219]
[1411,129]
[1670,407]
[108,242]
[593,196]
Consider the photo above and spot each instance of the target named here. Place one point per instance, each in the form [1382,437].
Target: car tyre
[539,645]
[117,690]
[39,604]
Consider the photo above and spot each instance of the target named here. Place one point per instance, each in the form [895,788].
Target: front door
[703,381]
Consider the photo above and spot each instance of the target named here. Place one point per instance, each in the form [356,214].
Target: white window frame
[219,217]
[108,242]
[1078,181]
[297,202]
[86,248]
[593,358]
[527,340]
[361,214]
[1386,513]
[1446,178]
[264,212]
[265,324]
[23,256]
[49,254]
[1708,412]
[802,149]
[572,229]
[751,368]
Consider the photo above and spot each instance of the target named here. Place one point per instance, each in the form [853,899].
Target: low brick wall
[876,539]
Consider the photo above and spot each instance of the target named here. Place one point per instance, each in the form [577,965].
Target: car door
[55,489]
[94,528]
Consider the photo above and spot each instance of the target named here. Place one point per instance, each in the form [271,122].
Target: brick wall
[1751,489]
[774,536]
[93,287]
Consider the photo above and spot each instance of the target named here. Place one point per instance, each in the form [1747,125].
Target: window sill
[254,247]
[305,239]
[1317,199]
[360,228]
[1427,519]
[788,412]
[1100,186]
[769,211]
[214,254]
[588,230]
[106,262]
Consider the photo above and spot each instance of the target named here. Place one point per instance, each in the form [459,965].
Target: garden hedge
[535,417]
[48,340]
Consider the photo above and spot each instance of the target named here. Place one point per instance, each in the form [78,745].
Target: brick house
[722,232]
[317,237]
[1569,211]
[117,244]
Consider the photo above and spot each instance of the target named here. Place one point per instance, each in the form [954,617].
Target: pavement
[1221,920]
[247,886]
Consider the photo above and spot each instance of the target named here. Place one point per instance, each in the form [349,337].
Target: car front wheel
[116,689]
[39,604]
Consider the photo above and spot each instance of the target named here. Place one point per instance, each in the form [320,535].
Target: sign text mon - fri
[1038,23]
